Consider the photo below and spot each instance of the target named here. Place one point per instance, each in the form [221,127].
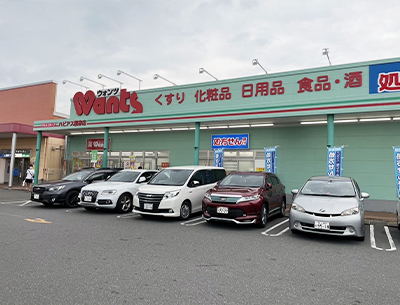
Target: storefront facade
[298,113]
[20,107]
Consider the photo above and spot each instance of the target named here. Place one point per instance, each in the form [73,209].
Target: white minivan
[176,191]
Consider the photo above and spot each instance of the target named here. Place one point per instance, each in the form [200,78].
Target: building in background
[20,106]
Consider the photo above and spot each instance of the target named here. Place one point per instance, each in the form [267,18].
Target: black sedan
[66,191]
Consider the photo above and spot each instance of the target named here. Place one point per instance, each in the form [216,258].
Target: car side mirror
[268,186]
[364,195]
[295,191]
[194,183]
[142,179]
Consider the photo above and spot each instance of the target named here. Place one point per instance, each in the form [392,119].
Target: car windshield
[171,176]
[124,176]
[328,188]
[77,176]
[243,180]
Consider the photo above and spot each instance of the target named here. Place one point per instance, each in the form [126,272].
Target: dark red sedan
[245,198]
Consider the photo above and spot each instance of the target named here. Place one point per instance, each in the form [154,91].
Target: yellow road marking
[37,220]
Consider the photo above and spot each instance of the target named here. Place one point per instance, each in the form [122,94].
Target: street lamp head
[64,81]
[201,70]
[155,76]
[82,78]
[100,76]
[119,72]
[255,62]
[325,51]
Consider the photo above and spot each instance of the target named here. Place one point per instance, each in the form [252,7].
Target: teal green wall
[302,151]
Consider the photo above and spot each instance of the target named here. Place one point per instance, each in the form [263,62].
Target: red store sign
[96,144]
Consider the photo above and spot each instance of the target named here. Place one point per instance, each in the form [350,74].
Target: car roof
[249,173]
[194,167]
[138,170]
[330,178]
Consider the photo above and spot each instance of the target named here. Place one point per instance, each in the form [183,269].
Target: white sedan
[115,193]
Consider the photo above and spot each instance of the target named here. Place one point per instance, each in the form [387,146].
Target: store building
[298,113]
[20,106]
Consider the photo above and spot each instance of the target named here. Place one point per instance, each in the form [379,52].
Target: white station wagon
[115,193]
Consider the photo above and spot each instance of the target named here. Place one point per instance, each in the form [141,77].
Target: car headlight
[207,196]
[56,188]
[108,192]
[298,208]
[171,194]
[352,211]
[248,198]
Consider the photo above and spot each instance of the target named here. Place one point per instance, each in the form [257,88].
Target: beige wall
[50,160]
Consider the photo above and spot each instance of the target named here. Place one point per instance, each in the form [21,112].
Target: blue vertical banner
[270,160]
[396,153]
[219,157]
[335,161]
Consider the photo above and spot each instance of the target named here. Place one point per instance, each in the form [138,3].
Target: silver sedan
[329,205]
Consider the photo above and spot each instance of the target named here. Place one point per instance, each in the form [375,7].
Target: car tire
[47,204]
[124,203]
[71,200]
[263,217]
[282,210]
[185,210]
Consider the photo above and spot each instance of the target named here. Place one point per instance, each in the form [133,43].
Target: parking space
[379,236]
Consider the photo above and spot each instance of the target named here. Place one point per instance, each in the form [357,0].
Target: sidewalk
[369,217]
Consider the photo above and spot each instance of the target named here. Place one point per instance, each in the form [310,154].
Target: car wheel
[185,211]
[71,201]
[263,217]
[124,204]
[47,204]
[283,208]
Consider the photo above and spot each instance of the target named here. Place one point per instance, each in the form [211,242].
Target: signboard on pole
[270,160]
[335,161]
[93,156]
[396,153]
[219,157]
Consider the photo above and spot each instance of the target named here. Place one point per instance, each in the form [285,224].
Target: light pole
[201,70]
[68,81]
[119,72]
[102,75]
[255,62]
[158,76]
[82,78]
[325,51]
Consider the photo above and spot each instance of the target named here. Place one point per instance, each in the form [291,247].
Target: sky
[44,40]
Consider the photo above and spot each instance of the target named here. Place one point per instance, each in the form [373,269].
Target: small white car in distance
[115,193]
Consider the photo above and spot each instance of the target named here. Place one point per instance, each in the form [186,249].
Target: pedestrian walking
[30,174]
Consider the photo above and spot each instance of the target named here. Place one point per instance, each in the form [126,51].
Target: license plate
[222,210]
[148,206]
[87,198]
[35,196]
[321,225]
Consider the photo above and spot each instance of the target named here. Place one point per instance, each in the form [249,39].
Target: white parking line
[275,226]
[189,222]
[25,203]
[372,238]
[391,242]
[14,202]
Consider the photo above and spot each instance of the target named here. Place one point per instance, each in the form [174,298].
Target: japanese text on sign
[396,152]
[270,160]
[335,161]
[235,141]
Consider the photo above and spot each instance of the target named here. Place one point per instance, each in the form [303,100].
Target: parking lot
[54,255]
